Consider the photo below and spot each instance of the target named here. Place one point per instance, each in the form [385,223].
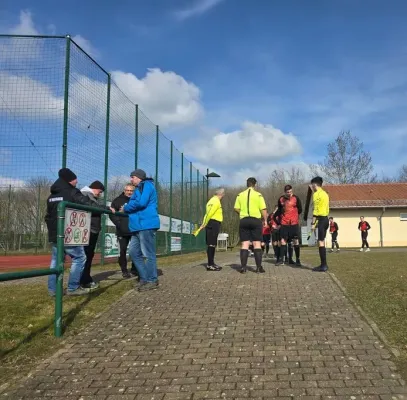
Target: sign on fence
[176,243]
[77,227]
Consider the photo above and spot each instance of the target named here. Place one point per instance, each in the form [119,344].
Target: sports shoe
[91,286]
[127,275]
[291,261]
[213,268]
[338,250]
[331,251]
[368,249]
[148,286]
[260,270]
[298,263]
[321,268]
[361,249]
[242,270]
[78,292]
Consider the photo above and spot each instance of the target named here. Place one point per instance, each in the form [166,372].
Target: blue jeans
[78,257]
[142,246]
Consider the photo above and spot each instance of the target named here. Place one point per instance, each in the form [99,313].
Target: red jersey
[266,230]
[333,227]
[364,226]
[290,209]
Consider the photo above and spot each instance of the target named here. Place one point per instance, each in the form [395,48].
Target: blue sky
[263,85]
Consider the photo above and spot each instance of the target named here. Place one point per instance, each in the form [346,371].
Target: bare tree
[403,174]
[346,161]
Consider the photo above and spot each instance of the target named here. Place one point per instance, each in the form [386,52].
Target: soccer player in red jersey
[333,230]
[364,228]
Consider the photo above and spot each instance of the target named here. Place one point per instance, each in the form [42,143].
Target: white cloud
[200,7]
[25,25]
[86,45]
[165,97]
[7,182]
[254,141]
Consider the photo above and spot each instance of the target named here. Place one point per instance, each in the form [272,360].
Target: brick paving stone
[288,333]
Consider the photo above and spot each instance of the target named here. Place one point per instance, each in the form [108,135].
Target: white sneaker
[338,250]
[331,251]
[368,249]
[361,249]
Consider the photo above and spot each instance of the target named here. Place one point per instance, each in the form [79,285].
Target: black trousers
[90,253]
[123,245]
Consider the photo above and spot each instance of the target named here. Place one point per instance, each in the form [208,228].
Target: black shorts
[212,232]
[289,232]
[266,238]
[322,228]
[364,235]
[275,236]
[250,229]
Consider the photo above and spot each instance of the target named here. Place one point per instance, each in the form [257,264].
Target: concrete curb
[369,321]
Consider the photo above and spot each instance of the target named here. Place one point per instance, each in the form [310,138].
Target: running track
[28,261]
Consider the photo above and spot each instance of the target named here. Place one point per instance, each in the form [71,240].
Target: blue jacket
[143,208]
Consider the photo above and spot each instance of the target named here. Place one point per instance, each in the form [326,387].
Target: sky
[244,88]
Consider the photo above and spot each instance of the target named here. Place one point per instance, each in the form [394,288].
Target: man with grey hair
[212,222]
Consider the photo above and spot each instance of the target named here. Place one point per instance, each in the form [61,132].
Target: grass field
[26,316]
[377,282]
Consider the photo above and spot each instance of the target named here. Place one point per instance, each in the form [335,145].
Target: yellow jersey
[213,210]
[250,203]
[320,199]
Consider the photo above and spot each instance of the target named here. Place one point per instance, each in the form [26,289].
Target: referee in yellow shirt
[251,207]
[320,221]
[212,222]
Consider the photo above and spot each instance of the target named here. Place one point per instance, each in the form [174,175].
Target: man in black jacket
[64,189]
[122,231]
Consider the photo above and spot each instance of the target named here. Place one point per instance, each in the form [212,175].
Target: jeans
[86,279]
[78,257]
[123,245]
[142,246]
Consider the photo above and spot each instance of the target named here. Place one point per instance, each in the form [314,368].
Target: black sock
[244,255]
[337,245]
[333,245]
[283,251]
[290,252]
[367,244]
[297,251]
[258,257]
[211,255]
[275,250]
[322,255]
[267,248]
[278,252]
[262,248]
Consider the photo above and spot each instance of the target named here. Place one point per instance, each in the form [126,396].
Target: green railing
[59,269]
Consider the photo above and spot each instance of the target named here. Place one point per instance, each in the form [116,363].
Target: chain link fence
[59,108]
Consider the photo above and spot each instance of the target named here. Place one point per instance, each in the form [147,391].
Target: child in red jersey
[333,230]
[364,227]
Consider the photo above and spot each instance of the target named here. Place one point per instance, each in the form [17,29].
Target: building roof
[367,195]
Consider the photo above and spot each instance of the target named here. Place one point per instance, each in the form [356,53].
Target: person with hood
[64,189]
[93,191]
[122,231]
[143,224]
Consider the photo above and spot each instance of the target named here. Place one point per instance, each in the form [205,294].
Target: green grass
[377,282]
[26,317]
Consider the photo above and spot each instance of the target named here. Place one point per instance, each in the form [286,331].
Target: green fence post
[105,178]
[136,144]
[37,222]
[182,200]
[66,100]
[190,203]
[7,238]
[171,172]
[197,203]
[60,269]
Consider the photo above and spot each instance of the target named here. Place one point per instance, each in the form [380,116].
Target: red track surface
[30,262]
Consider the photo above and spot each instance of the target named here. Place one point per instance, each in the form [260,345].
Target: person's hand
[202,226]
[265,224]
[112,210]
[121,209]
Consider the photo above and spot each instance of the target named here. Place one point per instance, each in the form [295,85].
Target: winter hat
[139,173]
[66,174]
[97,185]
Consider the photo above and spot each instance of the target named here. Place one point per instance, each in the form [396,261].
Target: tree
[403,174]
[346,161]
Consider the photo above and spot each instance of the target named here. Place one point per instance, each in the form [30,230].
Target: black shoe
[213,268]
[148,286]
[321,268]
[134,273]
[298,263]
[260,270]
[127,275]
[291,261]
[242,270]
[279,261]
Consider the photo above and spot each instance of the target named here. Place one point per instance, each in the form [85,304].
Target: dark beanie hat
[97,185]
[66,174]
[139,173]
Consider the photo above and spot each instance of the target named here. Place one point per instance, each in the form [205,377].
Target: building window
[403,217]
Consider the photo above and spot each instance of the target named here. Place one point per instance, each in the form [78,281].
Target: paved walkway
[289,333]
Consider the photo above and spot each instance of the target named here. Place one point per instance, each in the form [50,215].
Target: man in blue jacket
[143,224]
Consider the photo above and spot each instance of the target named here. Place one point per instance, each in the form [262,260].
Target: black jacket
[63,191]
[121,223]
[96,219]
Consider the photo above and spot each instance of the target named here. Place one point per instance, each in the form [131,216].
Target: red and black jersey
[266,230]
[333,227]
[290,209]
[273,221]
[364,226]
